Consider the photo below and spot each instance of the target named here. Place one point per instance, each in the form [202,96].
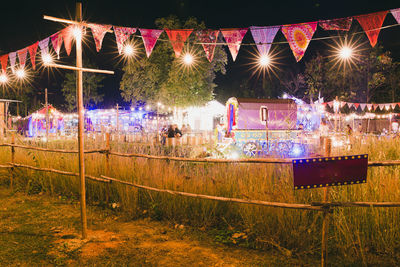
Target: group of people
[173,132]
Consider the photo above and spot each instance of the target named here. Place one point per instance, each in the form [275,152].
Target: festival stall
[35,124]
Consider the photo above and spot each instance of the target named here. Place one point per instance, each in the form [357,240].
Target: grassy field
[356,235]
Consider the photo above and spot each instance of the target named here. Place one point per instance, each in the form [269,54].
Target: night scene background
[23,24]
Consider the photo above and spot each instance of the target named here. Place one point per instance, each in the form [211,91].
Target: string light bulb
[264,60]
[3,78]
[77,32]
[346,52]
[47,59]
[129,50]
[20,73]
[188,59]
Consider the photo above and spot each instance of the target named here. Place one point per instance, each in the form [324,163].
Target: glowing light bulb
[188,59]
[47,59]
[20,73]
[346,52]
[77,32]
[128,50]
[264,60]
[3,78]
[147,107]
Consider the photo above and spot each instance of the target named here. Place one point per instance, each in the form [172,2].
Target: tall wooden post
[117,122]
[79,92]
[12,160]
[325,219]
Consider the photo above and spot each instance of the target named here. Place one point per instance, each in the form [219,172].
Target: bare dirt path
[39,230]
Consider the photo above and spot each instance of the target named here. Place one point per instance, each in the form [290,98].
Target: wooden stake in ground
[325,220]
[12,160]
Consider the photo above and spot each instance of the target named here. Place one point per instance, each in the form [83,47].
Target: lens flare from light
[346,52]
[188,59]
[129,50]
[3,78]
[20,73]
[47,59]
[77,32]
[264,61]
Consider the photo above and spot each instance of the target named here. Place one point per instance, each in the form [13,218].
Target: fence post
[108,148]
[325,220]
[12,160]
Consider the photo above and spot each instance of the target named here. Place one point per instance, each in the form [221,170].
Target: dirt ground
[39,230]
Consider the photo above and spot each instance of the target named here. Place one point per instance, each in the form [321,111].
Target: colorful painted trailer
[264,127]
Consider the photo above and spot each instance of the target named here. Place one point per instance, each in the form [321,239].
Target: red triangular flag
[178,38]
[3,60]
[150,38]
[371,24]
[22,56]
[233,38]
[121,35]
[208,38]
[56,40]
[356,105]
[98,31]
[32,53]
[342,24]
[68,36]
[299,36]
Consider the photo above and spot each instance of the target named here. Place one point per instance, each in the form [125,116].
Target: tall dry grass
[356,234]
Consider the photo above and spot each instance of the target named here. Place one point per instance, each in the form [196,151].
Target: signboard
[329,171]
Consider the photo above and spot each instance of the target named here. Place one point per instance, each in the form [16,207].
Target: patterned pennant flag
[371,24]
[3,60]
[299,36]
[263,37]
[68,36]
[121,35]
[208,38]
[32,53]
[233,38]
[44,46]
[343,24]
[363,106]
[396,14]
[98,31]
[150,38]
[13,58]
[178,38]
[22,56]
[56,40]
[393,105]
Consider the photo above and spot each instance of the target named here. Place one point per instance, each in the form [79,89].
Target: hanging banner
[299,36]
[330,171]
[233,38]
[44,46]
[121,35]
[13,58]
[32,53]
[263,37]
[150,38]
[342,24]
[363,106]
[178,38]
[396,14]
[56,40]
[3,60]
[208,38]
[67,35]
[371,24]
[22,56]
[98,31]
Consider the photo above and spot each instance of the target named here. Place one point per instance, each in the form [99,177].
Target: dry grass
[357,234]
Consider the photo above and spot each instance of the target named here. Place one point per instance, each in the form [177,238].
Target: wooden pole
[117,132]
[79,88]
[47,115]
[325,220]
[108,149]
[12,160]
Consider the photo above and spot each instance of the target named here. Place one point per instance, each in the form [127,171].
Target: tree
[162,77]
[91,84]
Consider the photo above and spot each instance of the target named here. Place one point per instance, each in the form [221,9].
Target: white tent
[202,118]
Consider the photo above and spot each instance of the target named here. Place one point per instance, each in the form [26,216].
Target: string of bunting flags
[362,106]
[297,35]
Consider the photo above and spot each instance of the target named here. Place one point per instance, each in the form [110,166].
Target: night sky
[23,23]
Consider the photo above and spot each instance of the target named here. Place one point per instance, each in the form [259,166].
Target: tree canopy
[163,77]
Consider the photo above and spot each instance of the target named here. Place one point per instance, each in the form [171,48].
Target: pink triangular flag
[330,104]
[371,24]
[396,14]
[369,106]
[68,36]
[13,57]
[150,37]
[363,106]
[98,31]
[208,38]
[233,38]
[299,36]
[375,106]
[342,104]
[393,105]
[342,24]
[44,46]
[178,38]
[381,106]
[121,35]
[22,56]
[263,37]
[3,60]
[387,106]
[32,53]
[56,40]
